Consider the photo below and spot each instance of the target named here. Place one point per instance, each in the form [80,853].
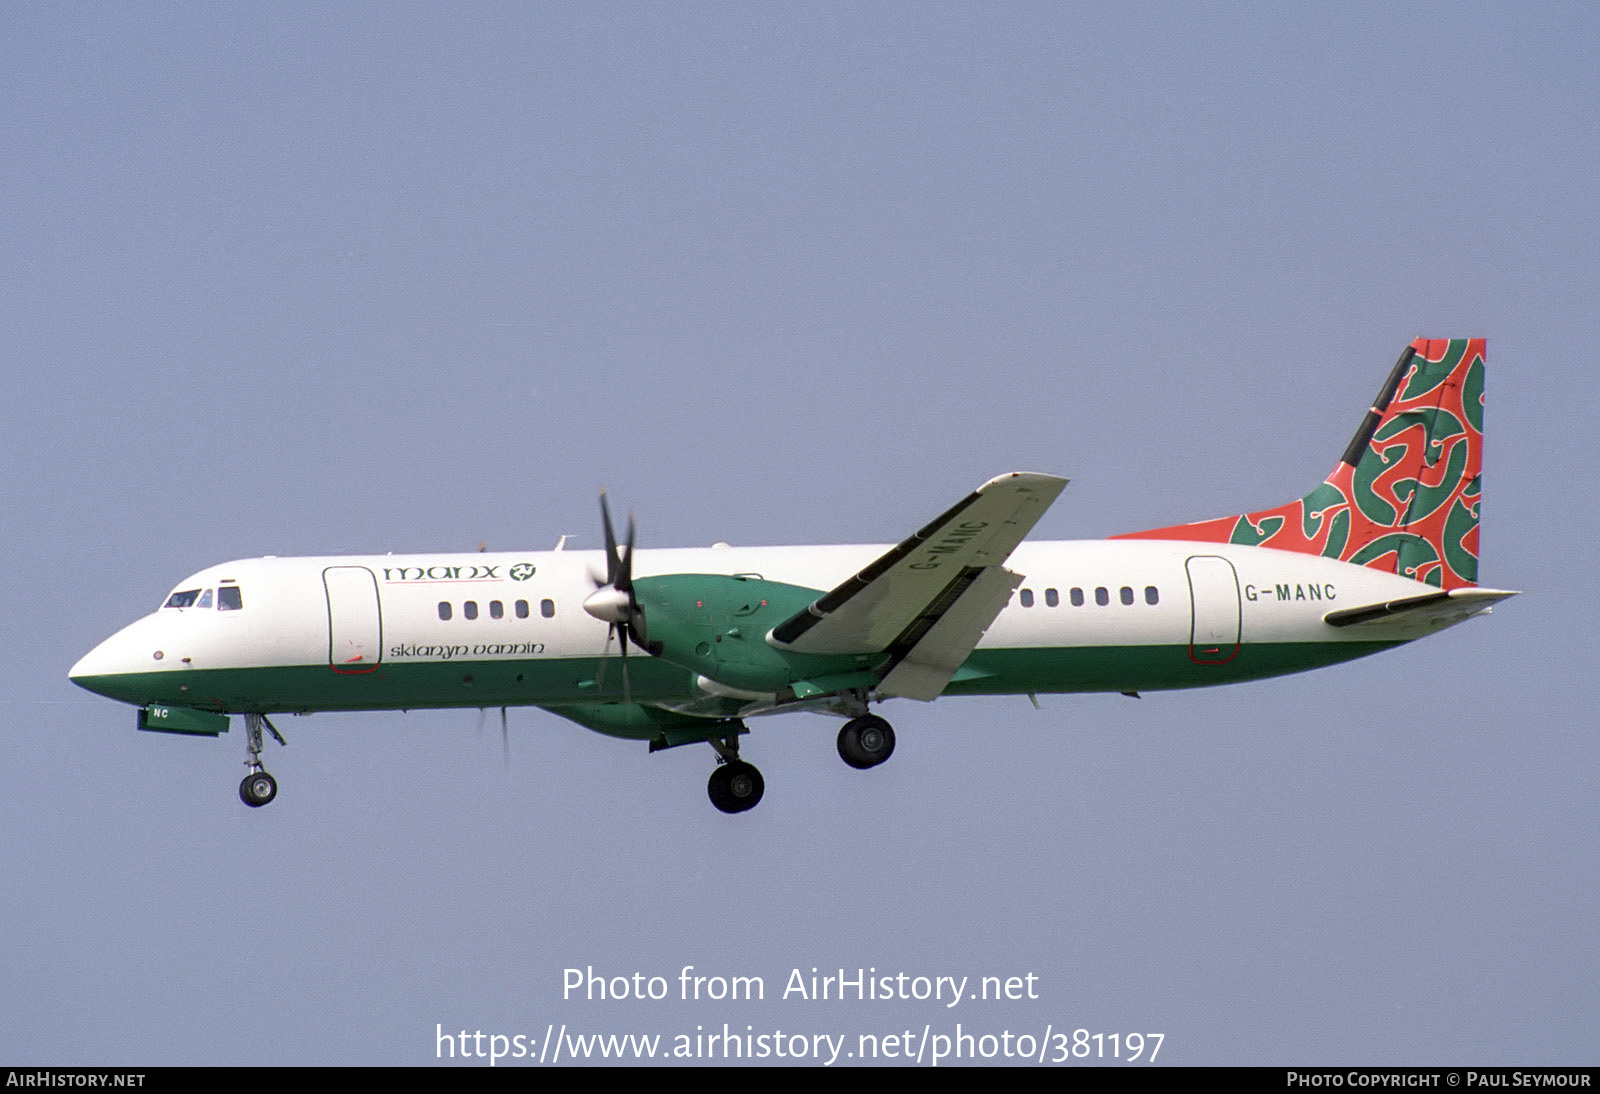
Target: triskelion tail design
[1404,497]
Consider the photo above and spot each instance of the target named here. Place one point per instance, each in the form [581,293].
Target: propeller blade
[611,541]
[627,686]
[625,565]
[605,657]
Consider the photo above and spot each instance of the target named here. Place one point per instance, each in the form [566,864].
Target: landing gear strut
[258,787]
[735,786]
[866,741]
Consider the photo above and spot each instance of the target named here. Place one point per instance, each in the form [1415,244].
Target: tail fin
[1404,497]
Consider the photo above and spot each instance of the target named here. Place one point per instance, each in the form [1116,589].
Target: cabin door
[1214,596]
[355,625]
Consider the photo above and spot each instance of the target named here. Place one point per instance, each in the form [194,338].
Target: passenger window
[522,609]
[1151,596]
[184,599]
[205,599]
[496,610]
[1077,598]
[1026,598]
[444,609]
[1051,598]
[1101,596]
[470,609]
[229,599]
[547,608]
[1127,595]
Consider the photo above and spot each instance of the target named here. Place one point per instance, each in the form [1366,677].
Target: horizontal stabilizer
[1433,610]
[919,580]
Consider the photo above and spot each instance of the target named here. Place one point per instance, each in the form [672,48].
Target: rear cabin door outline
[355,622]
[1215,610]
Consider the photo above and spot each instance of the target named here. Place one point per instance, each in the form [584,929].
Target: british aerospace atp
[1382,552]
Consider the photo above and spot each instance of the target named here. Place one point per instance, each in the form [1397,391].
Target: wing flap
[933,652]
[872,610]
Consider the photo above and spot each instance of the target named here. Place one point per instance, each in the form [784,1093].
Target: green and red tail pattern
[1404,498]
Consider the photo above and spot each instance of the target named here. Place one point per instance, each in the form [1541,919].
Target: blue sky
[320,278]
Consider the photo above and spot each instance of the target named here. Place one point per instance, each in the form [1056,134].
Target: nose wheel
[258,787]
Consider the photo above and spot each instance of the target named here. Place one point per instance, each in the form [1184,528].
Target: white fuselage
[527,606]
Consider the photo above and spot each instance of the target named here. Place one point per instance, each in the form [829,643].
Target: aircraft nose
[97,670]
[114,667]
[83,668]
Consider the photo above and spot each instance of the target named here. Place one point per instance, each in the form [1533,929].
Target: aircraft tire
[866,741]
[257,789]
[735,787]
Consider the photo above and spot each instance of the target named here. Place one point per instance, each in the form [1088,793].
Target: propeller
[614,602]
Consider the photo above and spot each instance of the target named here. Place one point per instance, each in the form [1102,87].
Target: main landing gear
[866,741]
[735,786]
[258,787]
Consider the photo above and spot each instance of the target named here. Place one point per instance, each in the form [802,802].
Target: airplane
[1382,552]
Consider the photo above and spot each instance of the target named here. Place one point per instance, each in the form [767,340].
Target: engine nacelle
[716,626]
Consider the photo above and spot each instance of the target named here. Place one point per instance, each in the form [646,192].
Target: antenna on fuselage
[505,733]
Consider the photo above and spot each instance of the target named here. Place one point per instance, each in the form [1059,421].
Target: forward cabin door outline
[1216,608]
[355,624]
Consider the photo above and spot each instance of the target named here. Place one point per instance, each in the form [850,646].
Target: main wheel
[735,787]
[258,789]
[866,741]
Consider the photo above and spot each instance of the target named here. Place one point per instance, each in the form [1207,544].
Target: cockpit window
[229,599]
[205,599]
[185,599]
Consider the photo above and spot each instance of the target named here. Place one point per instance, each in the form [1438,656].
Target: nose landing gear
[258,787]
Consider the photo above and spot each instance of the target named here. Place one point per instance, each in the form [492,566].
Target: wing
[928,601]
